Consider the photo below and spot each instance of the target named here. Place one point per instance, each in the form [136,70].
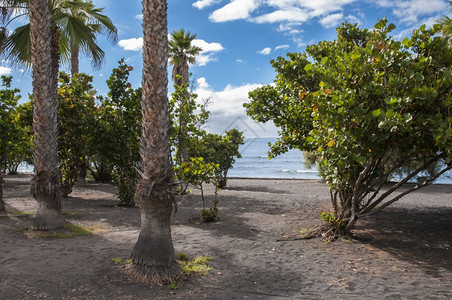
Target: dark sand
[404,252]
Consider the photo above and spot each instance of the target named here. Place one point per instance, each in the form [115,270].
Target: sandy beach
[405,252]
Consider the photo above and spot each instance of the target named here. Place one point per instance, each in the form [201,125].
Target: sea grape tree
[76,114]
[120,123]
[8,103]
[366,104]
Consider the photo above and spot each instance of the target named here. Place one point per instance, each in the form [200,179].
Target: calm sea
[255,163]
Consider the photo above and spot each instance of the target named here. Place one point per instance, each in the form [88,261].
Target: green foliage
[122,261]
[196,172]
[221,151]
[367,105]
[208,157]
[118,132]
[182,256]
[210,215]
[186,120]
[15,140]
[197,265]
[76,118]
[332,220]
[22,149]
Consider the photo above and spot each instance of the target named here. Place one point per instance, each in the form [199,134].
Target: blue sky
[239,38]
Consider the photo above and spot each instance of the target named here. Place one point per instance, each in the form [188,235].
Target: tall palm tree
[74,24]
[99,23]
[182,53]
[153,254]
[46,182]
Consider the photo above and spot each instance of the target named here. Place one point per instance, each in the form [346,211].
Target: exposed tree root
[154,275]
[327,232]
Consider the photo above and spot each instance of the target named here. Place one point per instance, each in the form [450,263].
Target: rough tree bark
[45,185]
[153,254]
[74,59]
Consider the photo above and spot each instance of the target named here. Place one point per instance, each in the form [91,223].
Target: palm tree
[153,254]
[446,23]
[182,53]
[45,185]
[99,23]
[74,24]
[9,11]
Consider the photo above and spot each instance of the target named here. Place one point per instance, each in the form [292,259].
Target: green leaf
[376,113]
[391,27]
[418,77]
[322,84]
[308,67]
[324,60]
[391,100]
[390,113]
[407,42]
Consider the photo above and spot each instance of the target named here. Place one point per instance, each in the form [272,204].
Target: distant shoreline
[269,179]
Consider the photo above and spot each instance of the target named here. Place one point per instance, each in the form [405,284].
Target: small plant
[182,256]
[197,265]
[331,219]
[303,231]
[174,285]
[209,215]
[122,261]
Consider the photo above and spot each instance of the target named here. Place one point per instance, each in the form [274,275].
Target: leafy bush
[366,105]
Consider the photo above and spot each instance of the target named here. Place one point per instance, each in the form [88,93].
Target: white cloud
[201,4]
[208,51]
[227,111]
[139,17]
[133,44]
[281,47]
[290,14]
[204,59]
[295,15]
[265,51]
[331,20]
[235,10]
[202,83]
[5,70]
[410,11]
[228,102]
[239,61]
[207,47]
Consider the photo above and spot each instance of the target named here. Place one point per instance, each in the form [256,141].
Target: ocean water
[255,162]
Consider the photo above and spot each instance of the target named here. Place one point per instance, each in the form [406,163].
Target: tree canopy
[366,104]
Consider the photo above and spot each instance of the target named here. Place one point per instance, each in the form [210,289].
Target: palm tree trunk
[182,70]
[45,185]
[153,254]
[74,59]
